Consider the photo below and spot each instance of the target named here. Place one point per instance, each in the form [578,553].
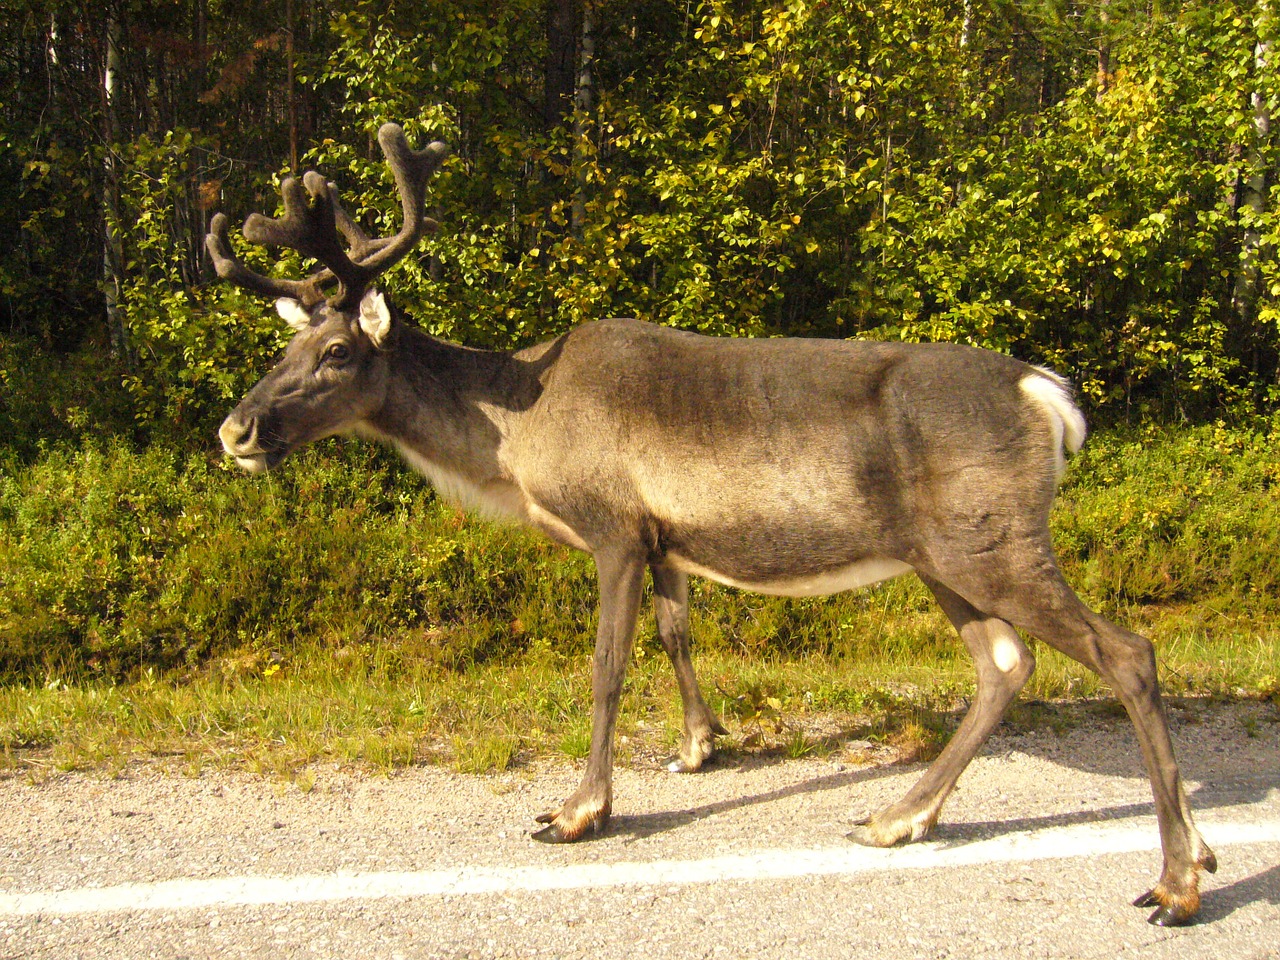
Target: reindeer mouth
[258,461]
[243,442]
[255,463]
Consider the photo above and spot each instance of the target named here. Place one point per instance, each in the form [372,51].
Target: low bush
[57,398]
[114,561]
[1175,516]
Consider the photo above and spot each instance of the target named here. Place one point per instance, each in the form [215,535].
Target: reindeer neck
[448,409]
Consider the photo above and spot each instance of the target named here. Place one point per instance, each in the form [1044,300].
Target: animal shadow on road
[1222,777]
[1220,902]
[1221,789]
[640,826]
[1216,768]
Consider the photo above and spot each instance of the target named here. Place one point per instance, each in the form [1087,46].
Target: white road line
[1053,843]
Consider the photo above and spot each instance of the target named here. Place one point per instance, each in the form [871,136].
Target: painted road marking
[1054,843]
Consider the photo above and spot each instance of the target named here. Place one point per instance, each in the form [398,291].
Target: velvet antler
[313,220]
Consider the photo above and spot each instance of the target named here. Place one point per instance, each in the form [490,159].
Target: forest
[1081,183]
[1084,184]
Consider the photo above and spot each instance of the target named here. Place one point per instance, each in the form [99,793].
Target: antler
[313,218]
[229,268]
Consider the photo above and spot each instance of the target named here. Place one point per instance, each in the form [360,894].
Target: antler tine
[310,225]
[218,243]
[313,219]
[359,245]
[411,169]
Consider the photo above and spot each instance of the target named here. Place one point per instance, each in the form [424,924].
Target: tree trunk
[112,247]
[584,101]
[560,68]
[1104,48]
[200,36]
[52,67]
[290,98]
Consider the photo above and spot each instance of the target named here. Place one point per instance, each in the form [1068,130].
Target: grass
[373,713]
[157,605]
[483,719]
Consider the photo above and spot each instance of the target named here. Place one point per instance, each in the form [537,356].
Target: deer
[788,466]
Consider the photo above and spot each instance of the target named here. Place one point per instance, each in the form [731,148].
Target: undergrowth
[161,602]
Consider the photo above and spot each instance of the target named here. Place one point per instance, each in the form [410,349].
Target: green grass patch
[160,604]
[377,715]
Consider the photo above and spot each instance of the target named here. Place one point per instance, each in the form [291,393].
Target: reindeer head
[334,372]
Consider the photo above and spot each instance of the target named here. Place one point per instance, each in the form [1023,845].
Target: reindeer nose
[239,437]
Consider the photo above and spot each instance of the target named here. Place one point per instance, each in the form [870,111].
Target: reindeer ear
[293,313]
[375,317]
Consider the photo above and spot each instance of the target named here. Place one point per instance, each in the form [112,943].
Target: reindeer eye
[337,351]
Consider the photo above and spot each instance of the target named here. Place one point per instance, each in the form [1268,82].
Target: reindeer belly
[803,547]
[860,573]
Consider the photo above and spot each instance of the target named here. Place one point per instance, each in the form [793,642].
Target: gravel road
[1040,850]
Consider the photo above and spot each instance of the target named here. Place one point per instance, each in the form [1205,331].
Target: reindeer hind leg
[1046,607]
[1004,664]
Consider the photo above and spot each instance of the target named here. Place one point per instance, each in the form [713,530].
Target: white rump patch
[1053,394]
[293,313]
[855,575]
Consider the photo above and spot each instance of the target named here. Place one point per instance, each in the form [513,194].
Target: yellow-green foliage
[1175,516]
[113,562]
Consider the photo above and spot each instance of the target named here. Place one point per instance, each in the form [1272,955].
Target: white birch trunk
[112,248]
[584,102]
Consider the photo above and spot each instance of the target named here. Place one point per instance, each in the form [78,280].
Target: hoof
[864,835]
[1208,861]
[557,832]
[1173,914]
[681,765]
[698,749]
[890,828]
[1148,899]
[552,834]
[1170,917]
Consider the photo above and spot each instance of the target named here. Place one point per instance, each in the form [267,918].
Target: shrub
[1169,515]
[113,561]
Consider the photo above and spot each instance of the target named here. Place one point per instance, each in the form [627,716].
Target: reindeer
[796,467]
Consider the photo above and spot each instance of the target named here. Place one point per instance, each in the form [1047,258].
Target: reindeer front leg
[621,574]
